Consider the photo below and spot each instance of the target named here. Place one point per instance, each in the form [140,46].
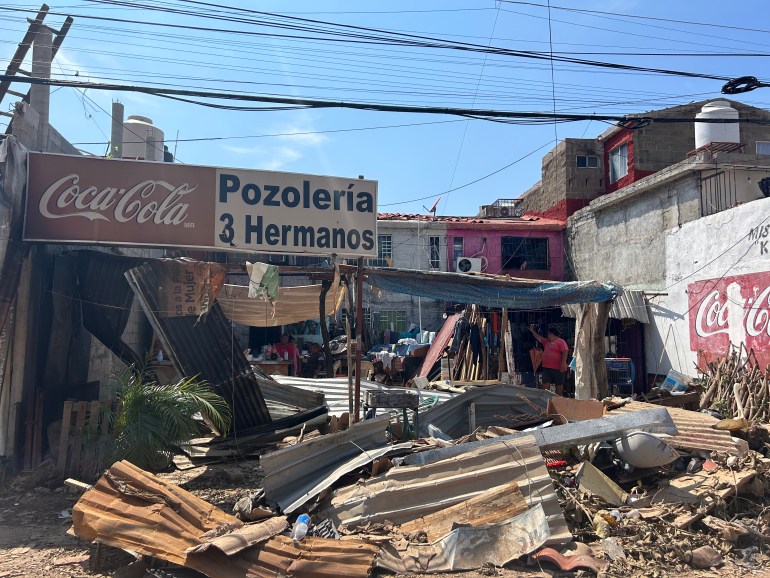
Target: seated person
[288,351]
[315,361]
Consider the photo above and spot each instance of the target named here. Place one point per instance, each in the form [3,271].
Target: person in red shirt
[555,351]
[287,350]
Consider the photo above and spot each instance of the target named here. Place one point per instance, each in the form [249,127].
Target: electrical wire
[334,35]
[316,103]
[501,169]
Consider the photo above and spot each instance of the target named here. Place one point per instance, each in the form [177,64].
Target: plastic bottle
[299,530]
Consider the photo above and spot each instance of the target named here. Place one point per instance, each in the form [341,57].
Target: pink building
[527,247]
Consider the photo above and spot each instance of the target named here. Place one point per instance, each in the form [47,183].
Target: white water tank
[707,133]
[142,139]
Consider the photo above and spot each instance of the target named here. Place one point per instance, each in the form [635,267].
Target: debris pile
[736,386]
[503,475]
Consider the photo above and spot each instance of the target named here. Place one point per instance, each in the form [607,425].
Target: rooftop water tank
[142,140]
[707,133]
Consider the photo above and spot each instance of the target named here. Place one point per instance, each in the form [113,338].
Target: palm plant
[152,418]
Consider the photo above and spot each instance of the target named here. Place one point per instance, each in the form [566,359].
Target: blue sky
[436,153]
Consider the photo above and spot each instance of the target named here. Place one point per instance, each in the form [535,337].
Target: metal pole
[359,328]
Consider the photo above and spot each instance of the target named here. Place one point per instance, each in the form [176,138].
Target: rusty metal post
[359,328]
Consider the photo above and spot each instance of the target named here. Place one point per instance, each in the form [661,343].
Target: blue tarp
[491,291]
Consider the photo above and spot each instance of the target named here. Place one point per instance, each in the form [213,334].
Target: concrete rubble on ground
[480,494]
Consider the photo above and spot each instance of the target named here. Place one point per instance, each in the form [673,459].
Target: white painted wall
[411,251]
[717,247]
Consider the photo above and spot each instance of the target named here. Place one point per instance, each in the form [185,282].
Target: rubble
[564,495]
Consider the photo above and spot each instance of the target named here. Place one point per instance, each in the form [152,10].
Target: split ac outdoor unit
[468,265]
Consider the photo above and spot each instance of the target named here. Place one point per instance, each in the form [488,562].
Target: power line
[691,22]
[473,104]
[504,115]
[501,169]
[297,133]
[395,38]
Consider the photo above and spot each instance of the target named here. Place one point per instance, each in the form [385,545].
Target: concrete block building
[630,194]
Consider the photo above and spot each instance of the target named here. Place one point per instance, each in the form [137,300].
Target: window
[763,147]
[367,316]
[393,320]
[525,253]
[457,249]
[618,163]
[384,247]
[587,161]
[435,252]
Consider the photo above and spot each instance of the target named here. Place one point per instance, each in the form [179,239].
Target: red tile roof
[525,220]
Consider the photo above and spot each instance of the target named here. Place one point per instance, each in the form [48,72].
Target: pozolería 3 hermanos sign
[93,200]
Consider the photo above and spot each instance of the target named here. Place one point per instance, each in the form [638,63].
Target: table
[278,367]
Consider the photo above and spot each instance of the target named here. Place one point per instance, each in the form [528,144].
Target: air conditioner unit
[505,212]
[468,265]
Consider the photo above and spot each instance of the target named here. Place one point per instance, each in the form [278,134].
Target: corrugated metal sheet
[694,428]
[506,405]
[206,348]
[405,493]
[608,427]
[468,548]
[628,305]
[292,474]
[106,299]
[335,391]
[133,510]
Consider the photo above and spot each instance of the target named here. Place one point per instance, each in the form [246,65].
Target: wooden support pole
[359,316]
[325,286]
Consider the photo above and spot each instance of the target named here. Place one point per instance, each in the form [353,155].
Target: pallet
[82,424]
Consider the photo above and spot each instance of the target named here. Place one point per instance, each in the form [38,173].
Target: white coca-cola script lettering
[712,316]
[156,201]
[731,316]
[758,317]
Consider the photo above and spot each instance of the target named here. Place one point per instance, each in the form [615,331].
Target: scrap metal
[654,420]
[131,509]
[406,493]
[468,548]
[204,348]
[494,405]
[295,474]
[694,429]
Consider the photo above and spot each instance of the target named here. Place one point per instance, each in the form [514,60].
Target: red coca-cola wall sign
[73,199]
[730,310]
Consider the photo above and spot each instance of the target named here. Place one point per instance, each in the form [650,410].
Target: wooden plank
[37,441]
[493,506]
[509,350]
[88,453]
[77,445]
[64,438]
[439,344]
[502,365]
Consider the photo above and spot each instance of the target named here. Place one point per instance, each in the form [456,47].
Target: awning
[294,304]
[627,305]
[491,290]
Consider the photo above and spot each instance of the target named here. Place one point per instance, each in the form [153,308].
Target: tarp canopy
[491,290]
[293,304]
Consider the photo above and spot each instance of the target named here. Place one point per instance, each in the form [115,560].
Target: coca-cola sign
[92,200]
[730,310]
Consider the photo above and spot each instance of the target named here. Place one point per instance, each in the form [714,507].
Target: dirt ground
[34,520]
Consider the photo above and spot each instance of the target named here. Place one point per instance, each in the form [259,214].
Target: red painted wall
[730,309]
[474,246]
[622,136]
[562,210]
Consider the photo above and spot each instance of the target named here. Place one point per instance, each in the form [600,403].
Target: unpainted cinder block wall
[625,242]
